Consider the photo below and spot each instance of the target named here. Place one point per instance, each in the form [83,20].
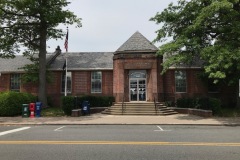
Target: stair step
[137,108]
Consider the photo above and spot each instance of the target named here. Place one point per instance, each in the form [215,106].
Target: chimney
[54,56]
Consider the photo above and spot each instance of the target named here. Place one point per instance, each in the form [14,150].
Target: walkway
[97,119]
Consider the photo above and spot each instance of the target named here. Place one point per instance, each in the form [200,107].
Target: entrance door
[137,86]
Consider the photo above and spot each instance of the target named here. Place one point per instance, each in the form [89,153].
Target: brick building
[131,73]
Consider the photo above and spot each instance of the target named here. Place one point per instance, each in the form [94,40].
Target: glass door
[137,85]
[133,90]
[142,90]
[137,89]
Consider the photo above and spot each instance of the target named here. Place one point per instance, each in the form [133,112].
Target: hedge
[11,102]
[67,104]
[72,102]
[200,103]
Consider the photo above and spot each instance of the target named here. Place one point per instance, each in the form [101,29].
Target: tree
[29,24]
[204,29]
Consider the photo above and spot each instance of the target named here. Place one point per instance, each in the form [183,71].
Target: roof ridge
[137,42]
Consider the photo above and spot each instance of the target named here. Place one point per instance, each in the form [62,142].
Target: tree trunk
[238,95]
[42,97]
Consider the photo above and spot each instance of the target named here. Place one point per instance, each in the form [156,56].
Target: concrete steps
[139,108]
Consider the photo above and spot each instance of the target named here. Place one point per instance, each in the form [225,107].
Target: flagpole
[66,47]
[65,93]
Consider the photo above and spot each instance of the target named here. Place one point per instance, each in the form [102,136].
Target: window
[96,82]
[15,82]
[69,82]
[137,74]
[180,81]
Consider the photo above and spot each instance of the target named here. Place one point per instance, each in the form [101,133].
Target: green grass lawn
[52,112]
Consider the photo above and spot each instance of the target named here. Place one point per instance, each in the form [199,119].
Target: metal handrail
[155,104]
[123,108]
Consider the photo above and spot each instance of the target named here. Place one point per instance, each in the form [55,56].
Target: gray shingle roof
[13,65]
[76,61]
[84,61]
[137,42]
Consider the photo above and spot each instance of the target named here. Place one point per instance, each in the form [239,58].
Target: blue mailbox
[38,109]
[85,107]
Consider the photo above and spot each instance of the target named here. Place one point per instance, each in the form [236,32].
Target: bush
[215,105]
[95,101]
[200,103]
[186,102]
[169,103]
[203,103]
[67,104]
[70,102]
[11,102]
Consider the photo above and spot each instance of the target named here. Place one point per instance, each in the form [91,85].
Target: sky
[107,24]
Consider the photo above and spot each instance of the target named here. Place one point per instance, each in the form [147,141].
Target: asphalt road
[119,142]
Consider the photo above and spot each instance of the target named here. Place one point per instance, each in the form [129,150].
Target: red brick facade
[123,63]
[4,82]
[116,82]
[195,87]
[81,85]
[137,54]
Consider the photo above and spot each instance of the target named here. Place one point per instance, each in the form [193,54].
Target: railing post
[122,103]
[155,104]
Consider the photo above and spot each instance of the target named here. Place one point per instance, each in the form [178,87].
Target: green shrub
[72,102]
[97,101]
[11,102]
[169,103]
[215,105]
[203,103]
[200,103]
[67,104]
[186,102]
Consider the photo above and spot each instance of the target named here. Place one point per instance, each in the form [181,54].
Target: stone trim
[197,112]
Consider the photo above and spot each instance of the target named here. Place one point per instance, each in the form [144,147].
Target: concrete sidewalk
[97,119]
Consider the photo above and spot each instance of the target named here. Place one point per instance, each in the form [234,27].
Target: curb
[74,124]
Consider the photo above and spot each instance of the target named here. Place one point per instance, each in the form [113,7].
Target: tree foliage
[29,24]
[206,29]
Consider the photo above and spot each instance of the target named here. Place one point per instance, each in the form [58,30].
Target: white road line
[58,129]
[161,130]
[14,130]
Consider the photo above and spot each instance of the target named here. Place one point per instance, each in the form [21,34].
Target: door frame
[138,79]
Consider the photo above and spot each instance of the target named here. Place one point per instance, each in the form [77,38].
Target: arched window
[138,74]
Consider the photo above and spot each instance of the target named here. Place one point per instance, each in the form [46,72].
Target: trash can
[85,107]
[25,111]
[38,109]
